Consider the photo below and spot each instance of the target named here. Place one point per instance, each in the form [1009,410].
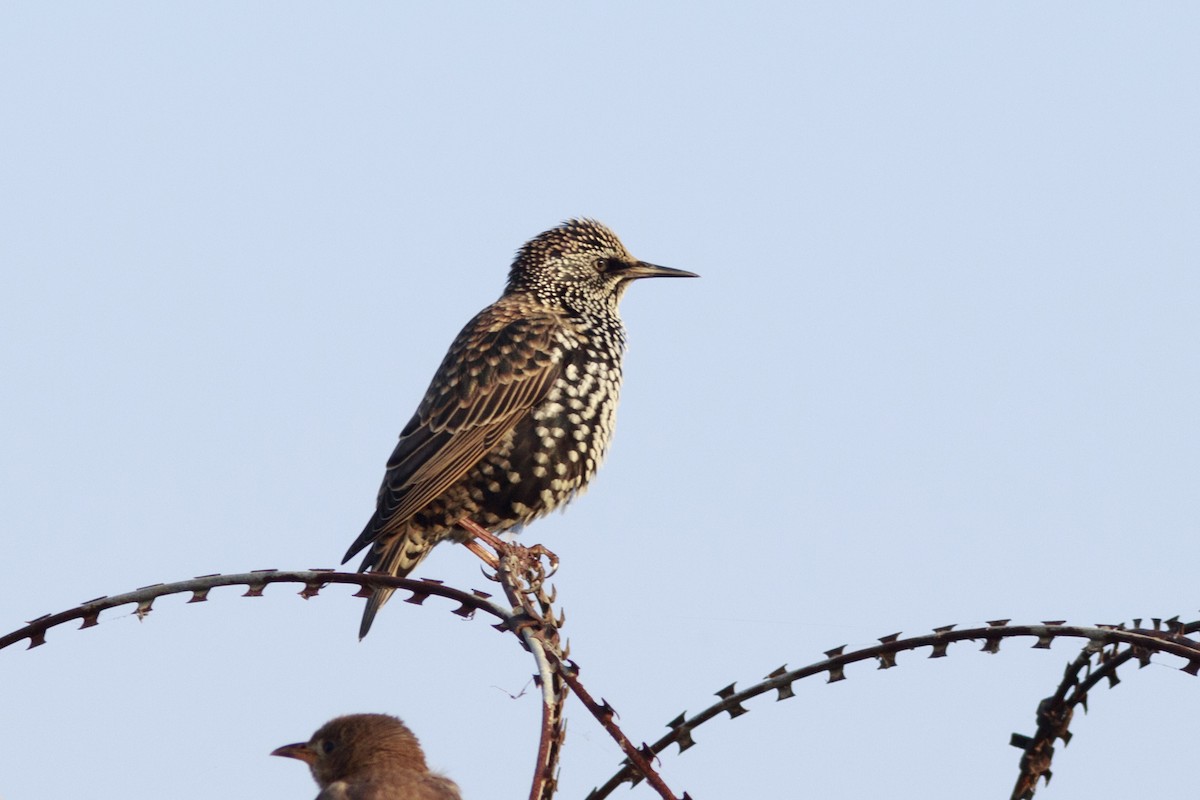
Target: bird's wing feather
[501,365]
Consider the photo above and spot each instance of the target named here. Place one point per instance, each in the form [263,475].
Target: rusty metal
[1160,639]
[520,571]
[1095,663]
[255,582]
[522,574]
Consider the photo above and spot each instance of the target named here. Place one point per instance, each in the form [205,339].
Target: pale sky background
[942,367]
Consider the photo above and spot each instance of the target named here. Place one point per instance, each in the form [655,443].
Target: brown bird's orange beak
[299,750]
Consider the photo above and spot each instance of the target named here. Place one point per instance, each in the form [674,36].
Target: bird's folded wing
[500,366]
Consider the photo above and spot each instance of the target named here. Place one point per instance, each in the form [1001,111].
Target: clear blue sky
[942,367]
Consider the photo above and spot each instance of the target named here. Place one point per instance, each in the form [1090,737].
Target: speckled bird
[369,757]
[520,413]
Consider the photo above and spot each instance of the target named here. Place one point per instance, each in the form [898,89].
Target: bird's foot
[537,552]
[490,548]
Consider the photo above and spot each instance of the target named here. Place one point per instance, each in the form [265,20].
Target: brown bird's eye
[327,747]
[608,264]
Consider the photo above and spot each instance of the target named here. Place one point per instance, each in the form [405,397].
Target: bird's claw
[490,548]
[538,551]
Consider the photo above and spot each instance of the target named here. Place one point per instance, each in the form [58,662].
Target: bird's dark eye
[608,264]
[327,746]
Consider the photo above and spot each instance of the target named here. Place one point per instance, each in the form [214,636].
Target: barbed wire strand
[1170,641]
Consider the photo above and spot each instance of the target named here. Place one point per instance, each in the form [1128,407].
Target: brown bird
[369,757]
[521,411]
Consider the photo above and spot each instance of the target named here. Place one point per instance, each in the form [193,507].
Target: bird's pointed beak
[642,269]
[299,750]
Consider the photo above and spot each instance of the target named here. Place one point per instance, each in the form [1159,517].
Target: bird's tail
[398,555]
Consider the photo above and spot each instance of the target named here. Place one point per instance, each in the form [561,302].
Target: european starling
[369,757]
[520,413]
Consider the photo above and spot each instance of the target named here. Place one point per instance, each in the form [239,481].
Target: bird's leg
[501,548]
[481,536]
[479,532]
[485,555]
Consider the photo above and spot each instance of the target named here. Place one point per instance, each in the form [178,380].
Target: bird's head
[578,265]
[355,744]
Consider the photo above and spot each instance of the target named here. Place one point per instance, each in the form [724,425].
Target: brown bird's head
[358,745]
[580,266]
